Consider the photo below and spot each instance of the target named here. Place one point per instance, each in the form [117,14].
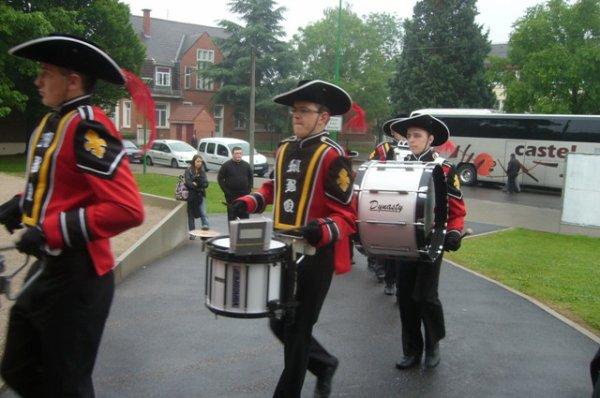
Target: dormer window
[163,76]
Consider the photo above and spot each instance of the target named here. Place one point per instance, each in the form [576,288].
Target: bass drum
[402,209]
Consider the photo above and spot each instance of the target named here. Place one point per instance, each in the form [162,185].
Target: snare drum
[242,286]
[402,209]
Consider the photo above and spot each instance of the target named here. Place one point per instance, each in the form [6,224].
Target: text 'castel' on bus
[482,140]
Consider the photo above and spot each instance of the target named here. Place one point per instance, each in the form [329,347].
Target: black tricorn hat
[385,127]
[320,92]
[73,53]
[434,126]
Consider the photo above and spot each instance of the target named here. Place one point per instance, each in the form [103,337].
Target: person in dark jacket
[196,183]
[512,172]
[235,179]
[595,372]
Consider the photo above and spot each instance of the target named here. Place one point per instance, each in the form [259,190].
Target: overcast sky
[497,16]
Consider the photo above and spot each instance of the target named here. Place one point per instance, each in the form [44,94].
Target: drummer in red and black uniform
[386,151]
[417,282]
[311,192]
[79,192]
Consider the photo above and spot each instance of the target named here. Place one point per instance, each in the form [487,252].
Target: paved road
[160,341]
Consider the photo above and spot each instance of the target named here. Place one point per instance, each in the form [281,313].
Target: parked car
[133,152]
[218,150]
[172,153]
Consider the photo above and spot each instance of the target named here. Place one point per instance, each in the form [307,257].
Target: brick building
[175,51]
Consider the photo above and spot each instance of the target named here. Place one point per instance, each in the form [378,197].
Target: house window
[126,113]
[162,114]
[163,76]
[188,77]
[204,58]
[218,115]
[239,121]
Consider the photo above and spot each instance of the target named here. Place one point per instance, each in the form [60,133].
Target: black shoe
[389,290]
[407,362]
[323,387]
[432,357]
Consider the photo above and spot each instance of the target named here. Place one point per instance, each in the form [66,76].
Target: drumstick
[466,232]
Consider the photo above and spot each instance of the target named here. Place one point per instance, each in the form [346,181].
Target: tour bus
[482,140]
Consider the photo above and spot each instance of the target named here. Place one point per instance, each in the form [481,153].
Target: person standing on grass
[235,179]
[196,182]
[79,193]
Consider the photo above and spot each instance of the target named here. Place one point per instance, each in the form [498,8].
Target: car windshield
[244,145]
[180,146]
[129,144]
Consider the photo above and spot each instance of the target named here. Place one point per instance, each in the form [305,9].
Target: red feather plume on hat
[143,102]
[358,122]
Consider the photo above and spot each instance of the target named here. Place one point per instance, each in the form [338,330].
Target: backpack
[181,191]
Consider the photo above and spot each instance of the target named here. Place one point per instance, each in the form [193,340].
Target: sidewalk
[161,341]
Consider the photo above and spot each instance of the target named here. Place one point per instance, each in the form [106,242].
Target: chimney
[146,22]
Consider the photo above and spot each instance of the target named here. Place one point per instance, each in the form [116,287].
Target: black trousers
[55,328]
[301,350]
[390,271]
[417,291]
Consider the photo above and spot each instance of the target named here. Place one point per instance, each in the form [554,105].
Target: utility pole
[252,106]
[338,42]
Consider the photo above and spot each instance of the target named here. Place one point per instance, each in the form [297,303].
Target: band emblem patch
[456,182]
[94,144]
[343,180]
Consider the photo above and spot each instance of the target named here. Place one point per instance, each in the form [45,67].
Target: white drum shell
[242,289]
[388,194]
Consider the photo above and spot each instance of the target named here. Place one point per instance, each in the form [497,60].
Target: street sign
[335,124]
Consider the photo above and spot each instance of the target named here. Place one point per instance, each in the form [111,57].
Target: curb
[533,301]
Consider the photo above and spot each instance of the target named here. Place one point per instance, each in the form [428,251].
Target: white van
[217,150]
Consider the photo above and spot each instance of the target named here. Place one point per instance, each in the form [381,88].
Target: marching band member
[383,152]
[79,193]
[311,192]
[417,282]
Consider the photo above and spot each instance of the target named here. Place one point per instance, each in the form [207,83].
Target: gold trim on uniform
[307,183]
[41,188]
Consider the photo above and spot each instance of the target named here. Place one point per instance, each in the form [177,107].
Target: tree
[442,60]
[105,22]
[274,62]
[367,51]
[553,61]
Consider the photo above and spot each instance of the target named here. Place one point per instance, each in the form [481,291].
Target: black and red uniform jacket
[383,151]
[456,205]
[312,181]
[80,190]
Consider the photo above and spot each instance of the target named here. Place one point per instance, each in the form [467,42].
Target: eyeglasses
[303,111]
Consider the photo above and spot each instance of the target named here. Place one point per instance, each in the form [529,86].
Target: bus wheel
[467,174]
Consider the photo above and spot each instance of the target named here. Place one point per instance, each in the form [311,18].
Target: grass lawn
[163,185]
[560,270]
[12,164]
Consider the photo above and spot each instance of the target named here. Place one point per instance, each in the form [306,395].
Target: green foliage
[367,51]
[275,62]
[105,22]
[13,164]
[554,59]
[559,270]
[442,60]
